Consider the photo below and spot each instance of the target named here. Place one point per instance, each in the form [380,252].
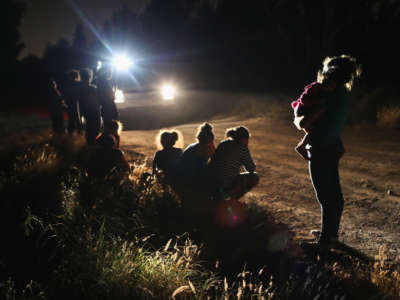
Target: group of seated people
[202,169]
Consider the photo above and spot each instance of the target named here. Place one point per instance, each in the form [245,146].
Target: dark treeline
[265,44]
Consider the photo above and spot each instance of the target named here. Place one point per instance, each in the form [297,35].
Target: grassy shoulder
[68,236]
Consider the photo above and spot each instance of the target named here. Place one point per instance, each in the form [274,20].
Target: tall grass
[127,237]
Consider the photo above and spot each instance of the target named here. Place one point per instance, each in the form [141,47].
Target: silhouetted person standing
[55,107]
[325,147]
[106,96]
[89,105]
[70,93]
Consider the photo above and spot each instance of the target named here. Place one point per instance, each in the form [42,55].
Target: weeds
[124,238]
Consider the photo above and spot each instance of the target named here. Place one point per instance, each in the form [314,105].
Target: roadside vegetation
[378,107]
[68,236]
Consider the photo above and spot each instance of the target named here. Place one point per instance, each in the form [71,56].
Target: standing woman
[325,147]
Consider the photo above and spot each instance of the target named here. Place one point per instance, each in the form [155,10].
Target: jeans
[324,173]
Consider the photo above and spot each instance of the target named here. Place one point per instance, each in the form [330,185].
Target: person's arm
[247,160]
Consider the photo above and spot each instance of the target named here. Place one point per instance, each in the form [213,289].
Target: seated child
[106,158]
[114,128]
[307,109]
[165,160]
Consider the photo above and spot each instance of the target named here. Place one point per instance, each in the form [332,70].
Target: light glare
[122,62]
[168,92]
[119,96]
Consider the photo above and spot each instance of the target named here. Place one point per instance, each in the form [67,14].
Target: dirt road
[370,177]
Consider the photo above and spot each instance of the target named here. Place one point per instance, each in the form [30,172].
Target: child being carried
[307,109]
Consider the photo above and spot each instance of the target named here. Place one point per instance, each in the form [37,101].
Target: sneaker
[317,234]
[319,246]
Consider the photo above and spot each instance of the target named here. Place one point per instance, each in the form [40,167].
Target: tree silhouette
[10,18]
[81,56]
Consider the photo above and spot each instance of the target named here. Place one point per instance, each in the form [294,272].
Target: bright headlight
[119,96]
[122,62]
[168,92]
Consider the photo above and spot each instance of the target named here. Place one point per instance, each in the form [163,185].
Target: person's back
[166,160]
[327,128]
[105,90]
[192,161]
[114,128]
[228,159]
[225,166]
[105,159]
[88,98]
[71,88]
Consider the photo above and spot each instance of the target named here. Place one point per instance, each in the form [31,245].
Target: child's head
[238,133]
[167,139]
[341,69]
[205,134]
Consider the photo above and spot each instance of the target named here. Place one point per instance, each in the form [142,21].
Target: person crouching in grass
[229,182]
[165,160]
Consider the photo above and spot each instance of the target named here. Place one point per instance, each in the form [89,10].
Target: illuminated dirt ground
[370,177]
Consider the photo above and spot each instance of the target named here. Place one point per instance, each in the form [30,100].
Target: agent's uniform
[71,97]
[91,111]
[106,98]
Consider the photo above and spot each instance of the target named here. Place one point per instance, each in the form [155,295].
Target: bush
[368,103]
[276,107]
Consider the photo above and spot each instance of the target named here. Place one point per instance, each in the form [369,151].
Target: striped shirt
[228,159]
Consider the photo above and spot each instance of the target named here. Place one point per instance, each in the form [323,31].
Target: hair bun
[174,135]
[231,133]
[205,133]
[238,133]
[206,128]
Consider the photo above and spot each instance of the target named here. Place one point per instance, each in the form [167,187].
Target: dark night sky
[51,20]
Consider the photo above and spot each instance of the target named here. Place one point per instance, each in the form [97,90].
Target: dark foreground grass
[67,236]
